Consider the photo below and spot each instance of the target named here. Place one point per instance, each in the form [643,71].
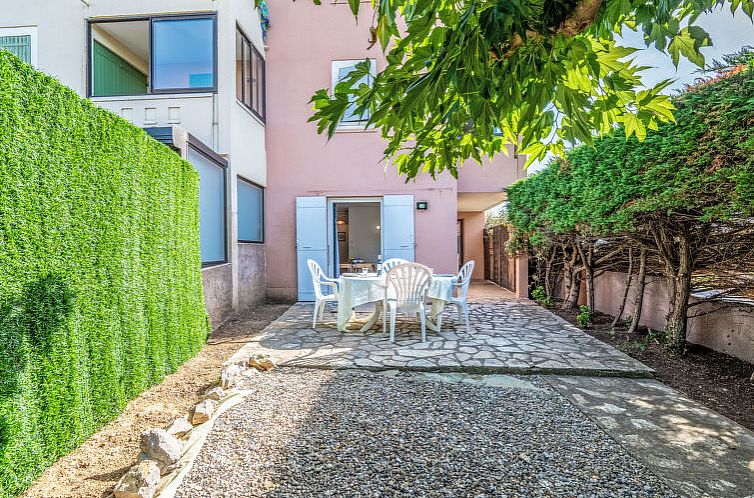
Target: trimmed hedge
[100,284]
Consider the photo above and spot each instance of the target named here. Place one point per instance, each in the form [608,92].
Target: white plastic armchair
[392,262]
[320,282]
[461,284]
[406,290]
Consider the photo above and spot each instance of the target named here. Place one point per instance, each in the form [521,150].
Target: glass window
[20,46]
[340,71]
[250,76]
[183,54]
[211,207]
[250,212]
[159,54]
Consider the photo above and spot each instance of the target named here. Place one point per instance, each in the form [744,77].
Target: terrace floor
[507,336]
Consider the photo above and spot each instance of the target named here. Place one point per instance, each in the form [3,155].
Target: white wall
[363,236]
[216,119]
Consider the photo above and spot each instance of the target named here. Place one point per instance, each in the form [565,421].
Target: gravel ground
[319,433]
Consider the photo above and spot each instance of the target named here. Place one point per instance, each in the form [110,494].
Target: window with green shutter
[20,46]
[114,76]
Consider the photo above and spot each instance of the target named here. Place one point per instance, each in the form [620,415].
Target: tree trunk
[629,277]
[641,284]
[548,272]
[679,291]
[571,276]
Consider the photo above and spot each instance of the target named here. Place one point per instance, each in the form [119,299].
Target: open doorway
[358,238]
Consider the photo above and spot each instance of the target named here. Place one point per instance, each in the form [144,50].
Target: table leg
[344,316]
[372,319]
[432,320]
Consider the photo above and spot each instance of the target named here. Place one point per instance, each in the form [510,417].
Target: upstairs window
[20,42]
[166,54]
[250,76]
[341,71]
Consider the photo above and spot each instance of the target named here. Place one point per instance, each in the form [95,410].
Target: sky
[728,33]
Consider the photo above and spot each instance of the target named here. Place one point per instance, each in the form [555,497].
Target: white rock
[230,375]
[202,411]
[216,393]
[752,377]
[180,427]
[161,447]
[139,482]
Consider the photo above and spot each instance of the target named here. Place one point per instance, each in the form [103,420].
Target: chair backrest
[464,279]
[408,284]
[318,276]
[390,263]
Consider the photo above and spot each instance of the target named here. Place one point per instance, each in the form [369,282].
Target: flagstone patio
[507,336]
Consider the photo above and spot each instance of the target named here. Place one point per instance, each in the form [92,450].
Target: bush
[584,317]
[100,285]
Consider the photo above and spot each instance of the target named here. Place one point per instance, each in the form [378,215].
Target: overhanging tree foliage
[100,284]
[470,78]
[683,199]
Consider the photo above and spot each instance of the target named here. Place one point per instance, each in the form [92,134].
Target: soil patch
[94,467]
[716,380]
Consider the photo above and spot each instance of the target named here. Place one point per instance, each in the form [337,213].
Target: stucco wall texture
[730,330]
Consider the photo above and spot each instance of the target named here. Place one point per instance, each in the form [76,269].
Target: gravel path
[312,433]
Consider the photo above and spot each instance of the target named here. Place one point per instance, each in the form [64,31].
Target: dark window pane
[250,212]
[183,53]
[211,207]
[247,65]
[239,66]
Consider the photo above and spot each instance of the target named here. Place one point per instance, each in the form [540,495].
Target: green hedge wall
[100,284]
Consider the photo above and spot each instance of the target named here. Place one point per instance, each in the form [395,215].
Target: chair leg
[385,311]
[439,322]
[423,318]
[322,311]
[393,312]
[466,317]
[316,312]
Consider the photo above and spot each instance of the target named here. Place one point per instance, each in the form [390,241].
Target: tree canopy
[470,78]
[685,195]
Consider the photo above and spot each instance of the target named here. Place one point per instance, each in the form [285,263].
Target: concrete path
[696,451]
[506,336]
[375,418]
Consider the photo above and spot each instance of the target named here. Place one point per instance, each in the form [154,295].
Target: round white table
[355,290]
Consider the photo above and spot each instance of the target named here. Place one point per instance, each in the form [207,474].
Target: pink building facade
[320,193]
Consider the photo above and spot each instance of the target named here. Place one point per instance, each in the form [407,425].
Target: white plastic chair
[392,262]
[461,287]
[406,290]
[320,280]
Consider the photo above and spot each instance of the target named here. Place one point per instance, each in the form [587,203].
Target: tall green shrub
[100,285]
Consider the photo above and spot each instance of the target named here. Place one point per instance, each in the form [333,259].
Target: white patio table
[357,289]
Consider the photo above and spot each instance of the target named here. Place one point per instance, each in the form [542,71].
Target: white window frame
[30,31]
[336,67]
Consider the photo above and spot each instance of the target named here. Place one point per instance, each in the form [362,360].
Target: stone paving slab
[507,336]
[695,450]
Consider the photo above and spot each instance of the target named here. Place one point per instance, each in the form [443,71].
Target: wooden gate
[499,266]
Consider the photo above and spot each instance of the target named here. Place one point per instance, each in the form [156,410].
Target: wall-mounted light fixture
[422,206]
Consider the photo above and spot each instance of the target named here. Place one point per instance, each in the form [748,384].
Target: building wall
[217,119]
[303,42]
[252,276]
[473,241]
[218,293]
[730,330]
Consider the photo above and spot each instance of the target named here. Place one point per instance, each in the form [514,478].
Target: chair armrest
[333,285]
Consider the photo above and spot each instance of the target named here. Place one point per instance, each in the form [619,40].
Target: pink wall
[473,241]
[303,42]
[730,330]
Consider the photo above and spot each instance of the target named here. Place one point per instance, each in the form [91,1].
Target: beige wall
[473,241]
[729,330]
